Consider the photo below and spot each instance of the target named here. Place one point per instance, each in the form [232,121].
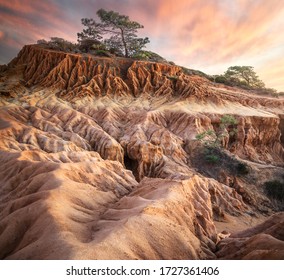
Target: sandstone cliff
[99,161]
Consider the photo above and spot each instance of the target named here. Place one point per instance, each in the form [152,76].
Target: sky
[206,35]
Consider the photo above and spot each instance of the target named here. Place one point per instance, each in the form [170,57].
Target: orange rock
[98,161]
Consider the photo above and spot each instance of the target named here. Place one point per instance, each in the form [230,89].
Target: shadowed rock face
[99,161]
[264,241]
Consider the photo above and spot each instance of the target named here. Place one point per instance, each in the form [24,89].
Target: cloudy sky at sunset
[208,35]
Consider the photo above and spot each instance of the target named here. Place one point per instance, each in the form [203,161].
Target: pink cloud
[192,33]
[214,33]
[27,21]
[218,33]
[272,73]
[28,6]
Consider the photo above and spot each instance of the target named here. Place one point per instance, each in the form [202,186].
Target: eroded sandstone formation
[99,160]
[262,242]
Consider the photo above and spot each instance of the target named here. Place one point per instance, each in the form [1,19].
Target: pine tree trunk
[124,43]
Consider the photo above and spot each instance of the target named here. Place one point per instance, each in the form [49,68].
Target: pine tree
[245,75]
[118,32]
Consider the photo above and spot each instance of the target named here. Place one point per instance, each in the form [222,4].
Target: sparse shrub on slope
[215,141]
[211,156]
[220,79]
[242,168]
[148,55]
[58,44]
[219,138]
[102,53]
[87,45]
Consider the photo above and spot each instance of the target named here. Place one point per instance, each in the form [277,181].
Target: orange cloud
[28,7]
[272,73]
[24,22]
[214,32]
[213,35]
[208,35]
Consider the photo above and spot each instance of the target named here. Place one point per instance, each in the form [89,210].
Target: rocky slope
[99,160]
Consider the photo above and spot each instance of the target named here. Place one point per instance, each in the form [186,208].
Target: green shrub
[148,55]
[211,158]
[221,79]
[86,45]
[227,120]
[212,154]
[213,139]
[102,53]
[61,44]
[275,189]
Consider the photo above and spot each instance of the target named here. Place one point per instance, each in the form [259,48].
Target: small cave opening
[132,165]
[5,94]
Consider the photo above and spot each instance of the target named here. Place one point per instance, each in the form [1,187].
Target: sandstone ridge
[99,160]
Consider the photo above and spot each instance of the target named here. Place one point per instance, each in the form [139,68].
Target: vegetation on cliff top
[241,75]
[113,34]
[114,31]
[116,35]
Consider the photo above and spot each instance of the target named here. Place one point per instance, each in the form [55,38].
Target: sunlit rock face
[99,160]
